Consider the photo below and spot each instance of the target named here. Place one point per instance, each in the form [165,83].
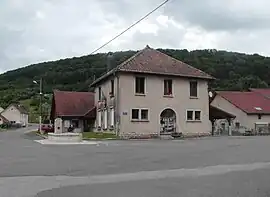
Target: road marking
[31,185]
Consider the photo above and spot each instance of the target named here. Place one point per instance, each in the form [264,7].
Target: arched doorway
[167,121]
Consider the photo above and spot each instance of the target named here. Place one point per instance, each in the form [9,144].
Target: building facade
[153,94]
[16,114]
[72,109]
[252,110]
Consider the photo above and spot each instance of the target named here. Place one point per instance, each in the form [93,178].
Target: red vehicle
[47,128]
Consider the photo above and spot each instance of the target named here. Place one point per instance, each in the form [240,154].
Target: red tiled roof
[152,61]
[263,91]
[249,102]
[73,103]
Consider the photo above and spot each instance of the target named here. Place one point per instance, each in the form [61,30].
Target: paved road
[208,167]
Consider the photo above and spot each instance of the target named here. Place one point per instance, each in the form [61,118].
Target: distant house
[73,108]
[1,109]
[153,93]
[252,109]
[16,114]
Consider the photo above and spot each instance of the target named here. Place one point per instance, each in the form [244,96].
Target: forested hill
[234,71]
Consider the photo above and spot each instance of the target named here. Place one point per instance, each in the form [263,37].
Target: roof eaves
[257,113]
[168,74]
[70,115]
[109,73]
[89,110]
[117,68]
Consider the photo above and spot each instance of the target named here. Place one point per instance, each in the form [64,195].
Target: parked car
[47,128]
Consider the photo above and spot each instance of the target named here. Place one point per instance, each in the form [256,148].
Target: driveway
[208,167]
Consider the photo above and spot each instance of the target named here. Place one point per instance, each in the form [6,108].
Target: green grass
[89,135]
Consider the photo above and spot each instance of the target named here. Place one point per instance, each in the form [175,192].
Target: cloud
[42,30]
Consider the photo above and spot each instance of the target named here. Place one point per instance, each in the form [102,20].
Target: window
[144,114]
[197,115]
[135,114]
[140,85]
[99,93]
[259,116]
[112,87]
[189,115]
[193,89]
[167,87]
[140,114]
[193,115]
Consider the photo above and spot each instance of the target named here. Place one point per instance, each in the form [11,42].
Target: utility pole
[40,102]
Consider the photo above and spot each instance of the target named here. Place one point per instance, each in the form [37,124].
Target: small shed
[74,108]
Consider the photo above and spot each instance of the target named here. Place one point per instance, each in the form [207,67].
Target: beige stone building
[152,93]
[251,109]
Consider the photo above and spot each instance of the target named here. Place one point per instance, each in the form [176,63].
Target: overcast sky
[33,31]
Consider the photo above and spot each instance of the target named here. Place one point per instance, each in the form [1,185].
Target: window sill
[168,96]
[138,94]
[193,97]
[139,120]
[193,121]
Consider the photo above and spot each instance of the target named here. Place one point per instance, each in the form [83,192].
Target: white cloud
[41,30]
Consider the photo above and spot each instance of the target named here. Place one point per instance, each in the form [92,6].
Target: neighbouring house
[251,108]
[16,114]
[153,93]
[263,91]
[73,108]
[217,117]
[1,109]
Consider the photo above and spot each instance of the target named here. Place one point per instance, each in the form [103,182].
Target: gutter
[117,104]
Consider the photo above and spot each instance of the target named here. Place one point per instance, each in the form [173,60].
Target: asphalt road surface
[216,167]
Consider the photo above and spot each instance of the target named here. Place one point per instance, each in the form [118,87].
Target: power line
[141,19]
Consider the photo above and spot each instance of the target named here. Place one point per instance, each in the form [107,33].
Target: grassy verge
[94,135]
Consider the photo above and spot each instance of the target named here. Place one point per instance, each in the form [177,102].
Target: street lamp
[40,102]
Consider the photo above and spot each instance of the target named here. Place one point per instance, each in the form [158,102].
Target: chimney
[110,61]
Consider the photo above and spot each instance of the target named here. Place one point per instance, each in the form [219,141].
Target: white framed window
[139,114]
[168,87]
[140,85]
[193,115]
[193,92]
[189,115]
